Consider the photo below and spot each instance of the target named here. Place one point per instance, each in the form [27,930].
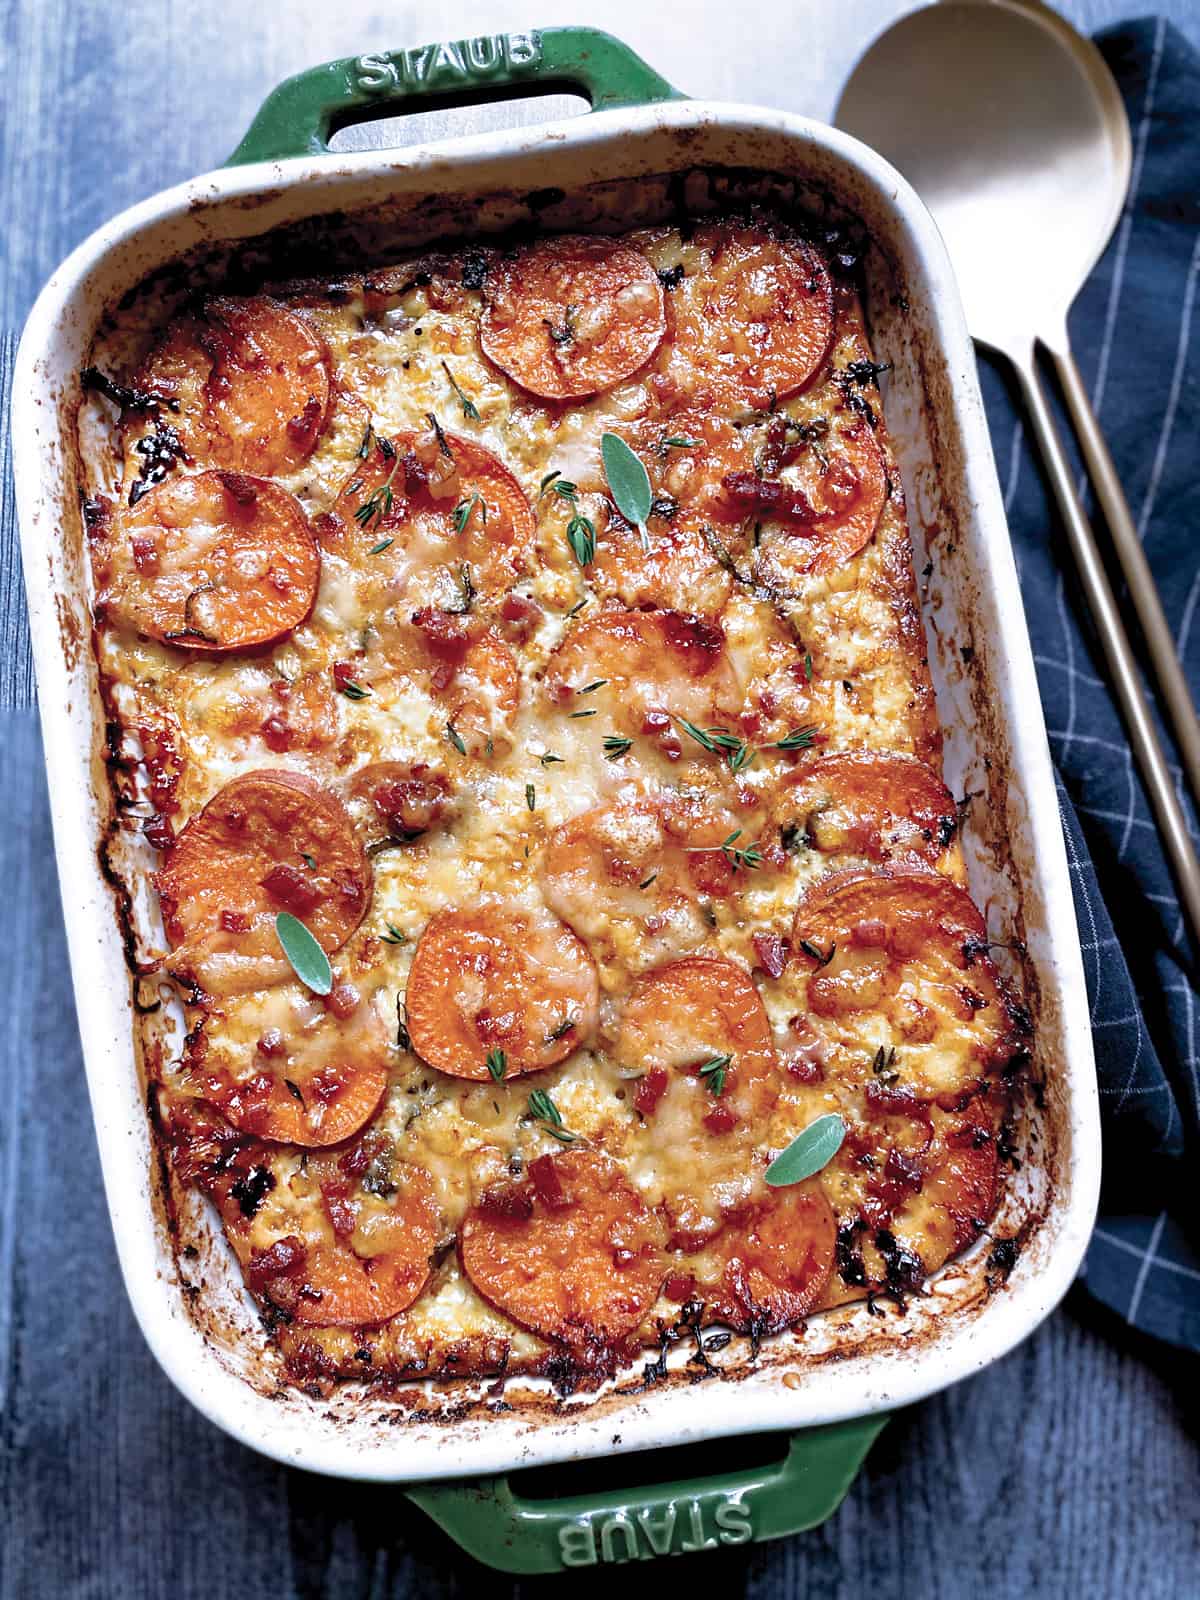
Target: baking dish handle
[300,116]
[498,1526]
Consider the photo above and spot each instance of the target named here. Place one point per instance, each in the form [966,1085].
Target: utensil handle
[1143,591]
[1122,665]
[301,115]
[505,1530]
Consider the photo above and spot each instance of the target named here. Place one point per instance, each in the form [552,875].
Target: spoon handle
[1131,695]
[1160,644]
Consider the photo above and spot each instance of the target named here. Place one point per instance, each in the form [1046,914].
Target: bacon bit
[302,429]
[509,1201]
[327,1084]
[284,1259]
[411,804]
[772,953]
[698,643]
[289,886]
[416,474]
[145,554]
[650,1091]
[234,921]
[679,1286]
[342,1214]
[447,633]
[548,1184]
[239,486]
[271,1043]
[888,1100]
[158,832]
[276,734]
[342,1000]
[769,494]
[903,1171]
[801,1066]
[163,767]
[522,615]
[720,1119]
[658,725]
[344,672]
[356,1161]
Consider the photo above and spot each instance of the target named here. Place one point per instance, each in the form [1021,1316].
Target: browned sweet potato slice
[867,803]
[218,561]
[571,1253]
[321,1243]
[267,842]
[251,381]
[569,316]
[436,503]
[697,1031]
[499,978]
[653,661]
[291,1068]
[771,1262]
[753,323]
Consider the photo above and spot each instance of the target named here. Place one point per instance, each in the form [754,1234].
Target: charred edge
[904,1271]
[850,1265]
[1001,1261]
[124,395]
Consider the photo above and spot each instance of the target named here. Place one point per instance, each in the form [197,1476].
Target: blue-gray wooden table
[1068,1469]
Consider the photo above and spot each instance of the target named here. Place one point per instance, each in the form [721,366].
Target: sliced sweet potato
[569,316]
[836,502]
[499,981]
[753,323]
[251,381]
[213,562]
[697,1031]
[665,661]
[445,503]
[868,803]
[907,946]
[267,842]
[571,1253]
[770,1264]
[289,1068]
[320,1245]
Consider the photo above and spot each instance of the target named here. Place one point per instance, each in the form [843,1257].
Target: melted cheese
[829,650]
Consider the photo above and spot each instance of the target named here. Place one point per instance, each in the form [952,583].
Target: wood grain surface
[1068,1469]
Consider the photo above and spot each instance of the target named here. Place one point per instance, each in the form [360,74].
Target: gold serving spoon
[1010,127]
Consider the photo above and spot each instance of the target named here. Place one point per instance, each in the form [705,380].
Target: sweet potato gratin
[515,659]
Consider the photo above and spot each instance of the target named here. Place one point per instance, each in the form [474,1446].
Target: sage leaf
[628,483]
[309,962]
[808,1152]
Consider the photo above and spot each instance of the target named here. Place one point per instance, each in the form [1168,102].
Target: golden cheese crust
[622,830]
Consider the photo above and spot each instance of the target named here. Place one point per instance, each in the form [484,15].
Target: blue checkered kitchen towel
[1140,354]
[1137,341]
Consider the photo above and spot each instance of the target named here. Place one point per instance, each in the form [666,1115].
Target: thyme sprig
[740,857]
[378,504]
[469,408]
[581,530]
[543,1110]
[464,510]
[712,1072]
